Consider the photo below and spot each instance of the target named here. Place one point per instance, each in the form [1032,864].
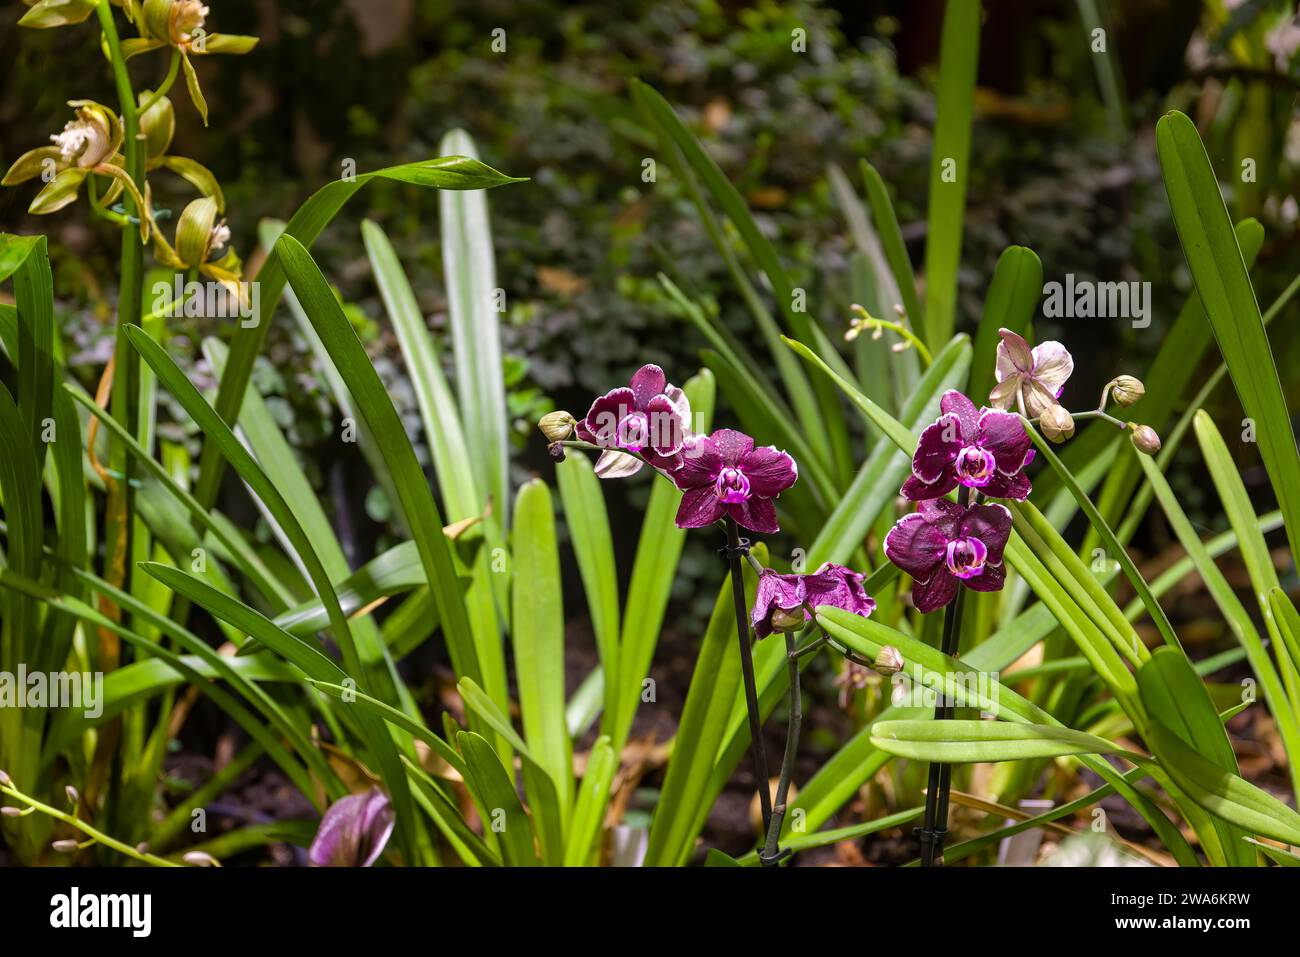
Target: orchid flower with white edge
[1034,378]
[646,421]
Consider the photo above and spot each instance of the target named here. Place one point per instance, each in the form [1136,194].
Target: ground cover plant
[930,519]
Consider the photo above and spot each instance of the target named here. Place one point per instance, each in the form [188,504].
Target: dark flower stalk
[736,546]
[932,832]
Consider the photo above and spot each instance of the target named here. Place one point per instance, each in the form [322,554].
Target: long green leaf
[1219,271]
[959,49]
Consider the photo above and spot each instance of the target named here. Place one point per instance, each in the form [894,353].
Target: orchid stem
[771,849]
[166,85]
[735,548]
[934,829]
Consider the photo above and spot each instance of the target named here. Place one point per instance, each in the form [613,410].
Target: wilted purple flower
[942,544]
[979,448]
[354,831]
[649,418]
[785,602]
[723,474]
[1031,378]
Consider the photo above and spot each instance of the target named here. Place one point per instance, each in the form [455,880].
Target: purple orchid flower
[649,419]
[942,545]
[785,602]
[354,831]
[979,448]
[723,474]
[1031,378]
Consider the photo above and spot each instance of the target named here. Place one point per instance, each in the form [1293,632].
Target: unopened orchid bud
[66,846]
[557,426]
[889,661]
[6,780]
[195,231]
[73,796]
[1127,389]
[556,451]
[158,124]
[10,811]
[1056,423]
[200,859]
[788,619]
[1145,439]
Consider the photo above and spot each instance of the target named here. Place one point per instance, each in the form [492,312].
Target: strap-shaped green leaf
[1219,271]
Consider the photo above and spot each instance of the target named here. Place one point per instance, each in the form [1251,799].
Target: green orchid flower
[200,237]
[180,24]
[87,145]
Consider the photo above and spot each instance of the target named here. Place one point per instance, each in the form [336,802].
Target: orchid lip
[966,557]
[633,432]
[732,486]
[975,466]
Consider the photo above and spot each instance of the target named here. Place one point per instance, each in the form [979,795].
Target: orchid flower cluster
[945,545]
[721,476]
[91,145]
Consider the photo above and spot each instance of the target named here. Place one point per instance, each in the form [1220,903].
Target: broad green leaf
[505,814]
[891,239]
[1254,551]
[808,841]
[1010,303]
[1219,271]
[538,637]
[959,49]
[593,798]
[1238,620]
[960,742]
[472,302]
[1175,696]
[593,546]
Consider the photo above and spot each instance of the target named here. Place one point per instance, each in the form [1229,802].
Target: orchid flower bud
[66,846]
[354,831]
[890,661]
[557,426]
[158,123]
[73,796]
[1056,424]
[787,619]
[5,779]
[10,811]
[200,859]
[1126,389]
[1144,438]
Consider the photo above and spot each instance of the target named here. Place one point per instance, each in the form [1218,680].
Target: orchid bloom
[943,545]
[1031,378]
[723,474]
[648,418]
[979,448]
[354,831]
[200,236]
[785,602]
[88,144]
[181,25]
